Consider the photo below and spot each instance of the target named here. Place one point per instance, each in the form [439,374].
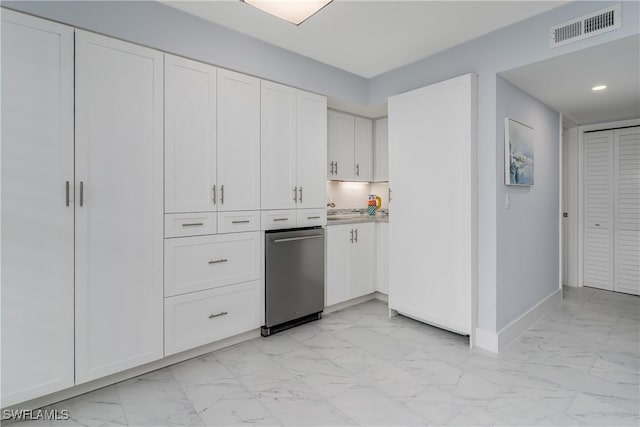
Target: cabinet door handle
[336,168]
[214,194]
[67,193]
[300,194]
[193,224]
[81,193]
[281,219]
[222,313]
[218,261]
[295,194]
[356,235]
[244,221]
[222,194]
[357,169]
[313,217]
[351,240]
[389,193]
[331,171]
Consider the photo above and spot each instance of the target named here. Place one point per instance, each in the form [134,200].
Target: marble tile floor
[578,365]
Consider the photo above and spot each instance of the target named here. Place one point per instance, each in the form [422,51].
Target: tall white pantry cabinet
[117,229]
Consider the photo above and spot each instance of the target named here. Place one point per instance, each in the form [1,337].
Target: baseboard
[495,342]
[349,303]
[381,296]
[130,373]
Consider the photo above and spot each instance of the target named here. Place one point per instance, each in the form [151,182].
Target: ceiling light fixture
[599,87]
[294,11]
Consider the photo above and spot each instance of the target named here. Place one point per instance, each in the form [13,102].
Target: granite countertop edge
[358,220]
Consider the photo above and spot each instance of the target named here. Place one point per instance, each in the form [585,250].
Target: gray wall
[162,27]
[527,239]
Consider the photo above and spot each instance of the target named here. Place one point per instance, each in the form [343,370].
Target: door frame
[581,131]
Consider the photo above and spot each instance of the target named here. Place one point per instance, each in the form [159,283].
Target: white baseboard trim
[130,373]
[349,303]
[495,342]
[381,296]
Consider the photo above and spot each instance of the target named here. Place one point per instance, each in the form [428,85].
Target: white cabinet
[37,215]
[350,147]
[119,215]
[311,150]
[381,150]
[432,238]
[199,318]
[238,122]
[382,257]
[350,262]
[294,148]
[341,132]
[190,136]
[363,150]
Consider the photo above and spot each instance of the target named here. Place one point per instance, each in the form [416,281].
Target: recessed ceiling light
[599,87]
[294,11]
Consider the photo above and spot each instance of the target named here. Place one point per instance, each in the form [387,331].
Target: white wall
[528,231]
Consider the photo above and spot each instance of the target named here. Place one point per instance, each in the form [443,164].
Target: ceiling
[564,83]
[368,38]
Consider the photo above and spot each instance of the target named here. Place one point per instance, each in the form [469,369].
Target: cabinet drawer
[275,220]
[190,224]
[312,217]
[203,317]
[204,262]
[234,222]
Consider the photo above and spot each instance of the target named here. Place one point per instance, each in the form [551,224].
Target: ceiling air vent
[586,26]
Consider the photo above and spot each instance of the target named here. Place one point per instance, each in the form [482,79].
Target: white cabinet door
[119,150]
[362,260]
[312,150]
[278,146]
[339,264]
[598,215]
[37,220]
[382,257]
[432,140]
[381,150]
[363,146]
[627,210]
[190,135]
[238,142]
[341,131]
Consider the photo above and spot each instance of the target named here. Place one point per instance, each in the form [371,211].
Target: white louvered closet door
[627,210]
[598,212]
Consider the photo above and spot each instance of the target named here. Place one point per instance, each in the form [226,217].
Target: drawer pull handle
[245,221]
[222,313]
[218,261]
[281,219]
[313,217]
[193,224]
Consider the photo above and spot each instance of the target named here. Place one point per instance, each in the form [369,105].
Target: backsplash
[355,195]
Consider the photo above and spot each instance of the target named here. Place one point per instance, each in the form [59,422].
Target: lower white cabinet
[190,224]
[204,262]
[199,318]
[236,222]
[350,261]
[382,257]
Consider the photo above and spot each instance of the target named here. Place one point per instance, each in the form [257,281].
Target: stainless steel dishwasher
[294,278]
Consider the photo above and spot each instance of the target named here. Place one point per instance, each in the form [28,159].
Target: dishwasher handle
[293,239]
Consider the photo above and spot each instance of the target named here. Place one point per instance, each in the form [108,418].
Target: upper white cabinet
[37,207]
[119,227]
[311,150]
[350,149]
[363,150]
[294,141]
[190,136]
[432,140]
[238,141]
[381,150]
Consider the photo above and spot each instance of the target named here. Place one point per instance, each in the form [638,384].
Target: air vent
[586,26]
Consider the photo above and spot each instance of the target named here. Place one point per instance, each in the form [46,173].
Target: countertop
[341,217]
